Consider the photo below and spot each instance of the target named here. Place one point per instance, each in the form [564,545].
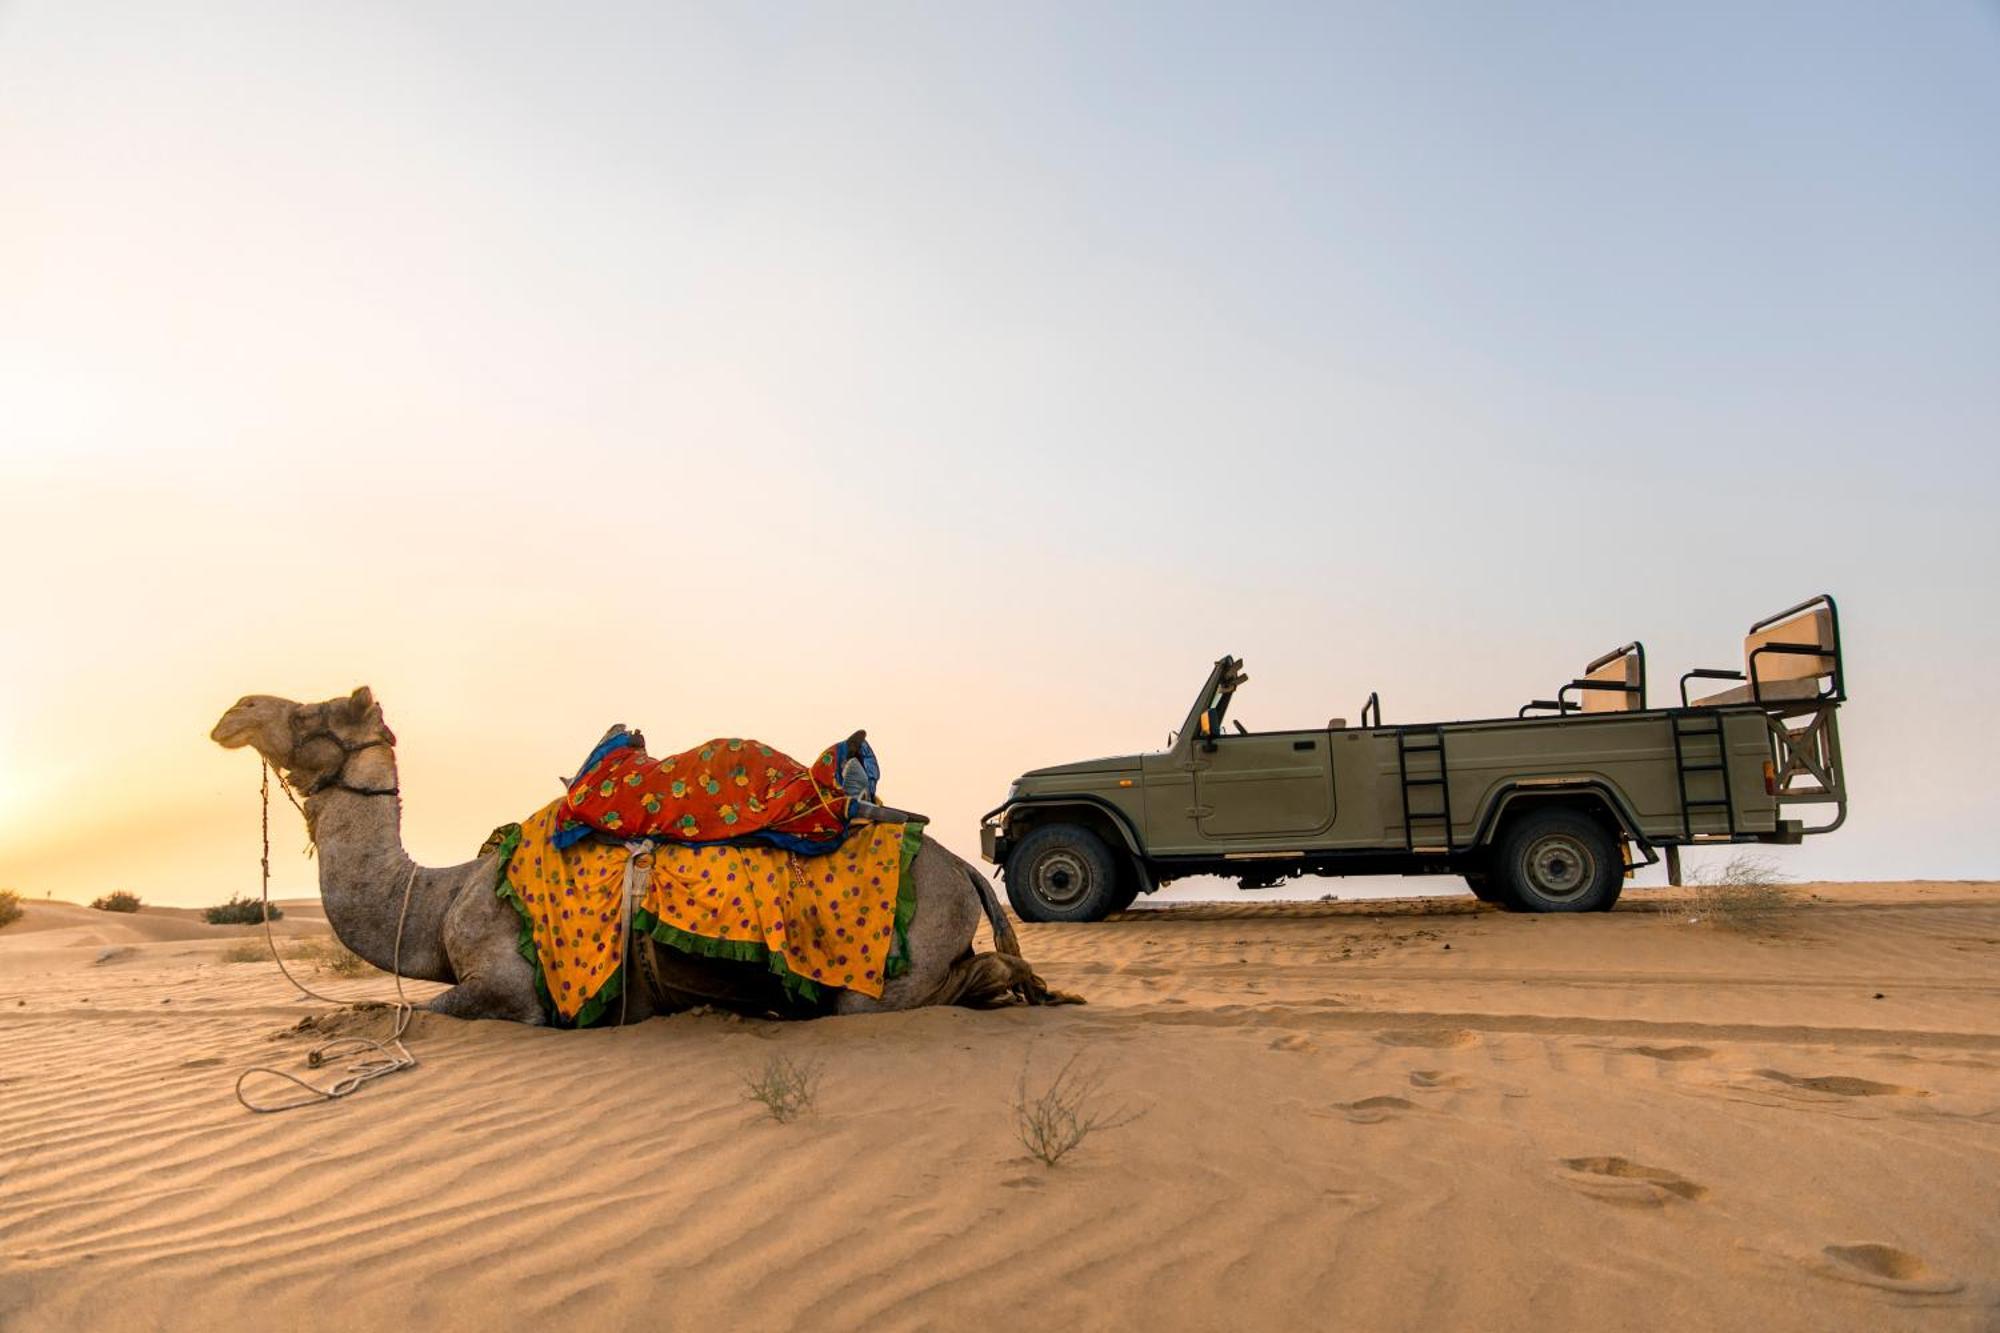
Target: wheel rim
[1061,878]
[1560,867]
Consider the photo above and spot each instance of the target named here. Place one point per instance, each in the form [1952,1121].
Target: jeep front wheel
[1062,872]
[1558,860]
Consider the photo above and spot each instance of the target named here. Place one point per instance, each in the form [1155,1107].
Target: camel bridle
[337,780]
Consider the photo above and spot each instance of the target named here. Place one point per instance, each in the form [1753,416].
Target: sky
[975,374]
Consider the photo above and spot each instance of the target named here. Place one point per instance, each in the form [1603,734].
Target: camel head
[307,743]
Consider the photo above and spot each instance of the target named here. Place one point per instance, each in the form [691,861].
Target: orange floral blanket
[726,790]
[837,920]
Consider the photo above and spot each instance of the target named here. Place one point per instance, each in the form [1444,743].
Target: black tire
[1557,860]
[1064,872]
[1128,889]
[1482,888]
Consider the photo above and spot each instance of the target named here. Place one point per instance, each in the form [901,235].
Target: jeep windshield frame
[1212,704]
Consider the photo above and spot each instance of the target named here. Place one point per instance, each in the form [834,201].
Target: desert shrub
[1744,893]
[239,912]
[1056,1120]
[246,951]
[10,907]
[330,955]
[786,1088]
[119,901]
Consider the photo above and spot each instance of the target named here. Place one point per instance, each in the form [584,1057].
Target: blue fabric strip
[788,842]
[619,741]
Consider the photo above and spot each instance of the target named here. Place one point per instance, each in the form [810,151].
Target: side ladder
[1690,729]
[1423,748]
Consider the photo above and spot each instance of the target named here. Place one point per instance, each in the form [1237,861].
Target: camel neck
[362,872]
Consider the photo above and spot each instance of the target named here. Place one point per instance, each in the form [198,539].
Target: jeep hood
[1123,763]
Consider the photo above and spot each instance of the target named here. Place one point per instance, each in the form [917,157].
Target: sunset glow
[540,382]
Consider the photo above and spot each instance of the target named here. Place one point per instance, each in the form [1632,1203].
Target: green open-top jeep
[1547,811]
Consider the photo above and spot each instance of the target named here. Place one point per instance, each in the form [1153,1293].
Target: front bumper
[993,845]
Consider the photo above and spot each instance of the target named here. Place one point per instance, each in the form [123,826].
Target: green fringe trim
[507,838]
[804,989]
[906,904]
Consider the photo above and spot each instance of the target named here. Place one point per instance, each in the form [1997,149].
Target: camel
[339,756]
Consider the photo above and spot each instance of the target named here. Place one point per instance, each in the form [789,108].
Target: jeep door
[1264,784]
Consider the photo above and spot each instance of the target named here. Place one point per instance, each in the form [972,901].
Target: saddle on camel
[731,849]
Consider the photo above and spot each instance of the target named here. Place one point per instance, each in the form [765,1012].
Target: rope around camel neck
[374,1059]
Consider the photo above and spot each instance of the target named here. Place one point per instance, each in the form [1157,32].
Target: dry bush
[324,955]
[1054,1121]
[1744,893]
[330,955]
[120,901]
[239,912]
[784,1087]
[10,907]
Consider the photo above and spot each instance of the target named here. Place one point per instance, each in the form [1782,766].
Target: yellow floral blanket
[835,920]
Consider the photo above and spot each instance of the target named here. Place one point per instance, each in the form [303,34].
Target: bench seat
[1774,691]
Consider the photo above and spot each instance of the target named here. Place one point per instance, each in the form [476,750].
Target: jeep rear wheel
[1558,860]
[1062,872]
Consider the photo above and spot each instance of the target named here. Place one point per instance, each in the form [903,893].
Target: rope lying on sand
[373,1059]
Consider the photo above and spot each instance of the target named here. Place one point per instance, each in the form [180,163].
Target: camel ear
[360,702]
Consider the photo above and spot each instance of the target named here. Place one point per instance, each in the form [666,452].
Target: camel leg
[482,935]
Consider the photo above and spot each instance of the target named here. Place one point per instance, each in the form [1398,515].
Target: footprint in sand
[1840,1085]
[1885,1266]
[1292,1042]
[1675,1054]
[1434,1039]
[1437,1078]
[1617,1180]
[1374,1110]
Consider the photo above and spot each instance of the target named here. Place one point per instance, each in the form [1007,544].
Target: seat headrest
[1622,670]
[1808,629]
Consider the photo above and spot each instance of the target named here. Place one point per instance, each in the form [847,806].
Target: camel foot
[465,1001]
[983,980]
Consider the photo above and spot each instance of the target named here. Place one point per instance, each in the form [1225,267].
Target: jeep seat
[1613,683]
[1617,685]
[1784,660]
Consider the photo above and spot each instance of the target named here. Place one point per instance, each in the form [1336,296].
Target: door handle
[1305,745]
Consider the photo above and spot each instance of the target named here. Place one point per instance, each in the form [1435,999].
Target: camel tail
[1004,940]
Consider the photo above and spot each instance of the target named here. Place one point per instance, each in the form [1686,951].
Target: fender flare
[1510,794]
[1061,800]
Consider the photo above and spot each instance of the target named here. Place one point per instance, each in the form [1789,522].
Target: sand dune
[1412,1115]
